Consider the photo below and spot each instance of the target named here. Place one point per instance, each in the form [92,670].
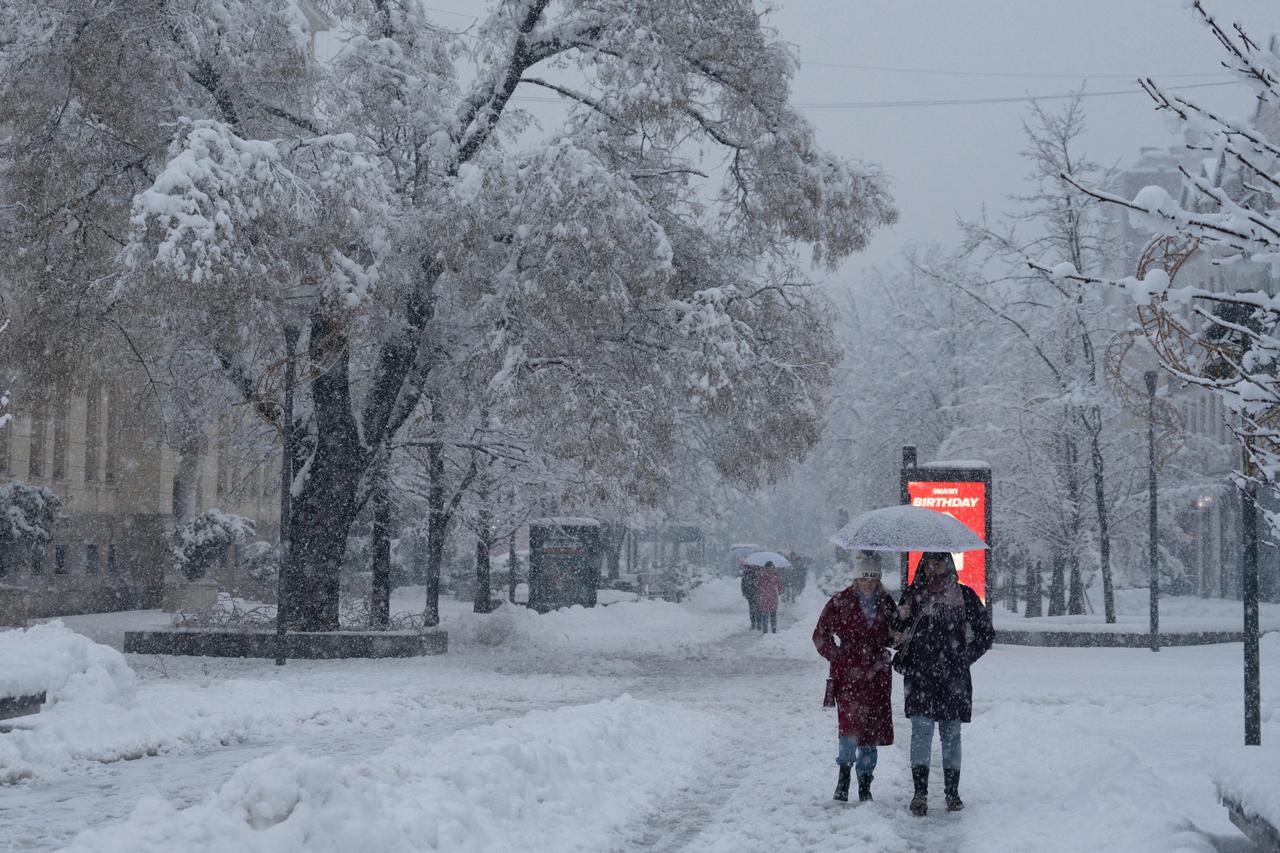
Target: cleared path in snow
[1069,750]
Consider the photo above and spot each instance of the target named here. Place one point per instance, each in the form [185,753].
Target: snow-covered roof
[567,521]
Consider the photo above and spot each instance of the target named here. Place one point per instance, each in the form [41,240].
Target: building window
[35,464]
[92,426]
[113,437]
[113,558]
[4,561]
[61,426]
[60,559]
[90,558]
[37,560]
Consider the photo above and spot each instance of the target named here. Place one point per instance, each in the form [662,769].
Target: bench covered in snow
[1246,783]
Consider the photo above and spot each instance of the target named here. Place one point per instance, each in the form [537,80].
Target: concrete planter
[309,645]
[1102,639]
[184,596]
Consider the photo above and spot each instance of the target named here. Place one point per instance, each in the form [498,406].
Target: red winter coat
[859,665]
[768,588]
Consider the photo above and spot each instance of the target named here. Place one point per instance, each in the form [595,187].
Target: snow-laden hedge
[564,780]
[196,545]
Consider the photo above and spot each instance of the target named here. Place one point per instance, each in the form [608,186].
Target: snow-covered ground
[638,726]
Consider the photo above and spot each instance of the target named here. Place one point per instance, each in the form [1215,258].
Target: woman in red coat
[854,634]
[768,588]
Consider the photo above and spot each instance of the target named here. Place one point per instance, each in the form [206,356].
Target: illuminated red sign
[967,503]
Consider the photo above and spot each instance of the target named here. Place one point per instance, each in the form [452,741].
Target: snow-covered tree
[30,513]
[1228,340]
[197,544]
[628,265]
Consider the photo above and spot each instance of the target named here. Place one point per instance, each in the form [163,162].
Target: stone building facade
[99,449]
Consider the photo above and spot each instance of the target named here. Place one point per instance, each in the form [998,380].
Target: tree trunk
[484,541]
[513,566]
[327,501]
[1058,587]
[437,519]
[186,479]
[1100,501]
[380,595]
[1034,604]
[1011,602]
[1075,602]
[1075,523]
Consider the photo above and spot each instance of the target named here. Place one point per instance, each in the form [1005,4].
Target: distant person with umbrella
[947,629]
[854,633]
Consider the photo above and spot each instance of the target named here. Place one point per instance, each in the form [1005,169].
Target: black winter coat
[952,630]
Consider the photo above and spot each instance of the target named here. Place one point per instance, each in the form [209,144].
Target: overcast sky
[945,160]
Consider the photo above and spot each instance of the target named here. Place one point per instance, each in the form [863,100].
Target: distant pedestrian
[768,591]
[793,577]
[854,633]
[947,628]
[750,576]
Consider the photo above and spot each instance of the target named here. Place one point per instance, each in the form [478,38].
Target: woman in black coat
[949,628]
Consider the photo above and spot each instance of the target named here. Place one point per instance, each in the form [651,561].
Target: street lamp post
[1249,590]
[1153,565]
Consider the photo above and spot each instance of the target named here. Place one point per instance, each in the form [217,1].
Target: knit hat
[867,565]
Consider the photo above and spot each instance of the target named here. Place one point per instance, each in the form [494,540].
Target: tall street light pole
[1249,584]
[1153,565]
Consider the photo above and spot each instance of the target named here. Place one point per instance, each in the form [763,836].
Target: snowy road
[723,747]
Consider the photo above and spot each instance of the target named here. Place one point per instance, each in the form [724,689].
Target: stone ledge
[20,706]
[1116,639]
[318,645]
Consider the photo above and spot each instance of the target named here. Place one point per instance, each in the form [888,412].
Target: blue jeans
[922,742]
[863,757]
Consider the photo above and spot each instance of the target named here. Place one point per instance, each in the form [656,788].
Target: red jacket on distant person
[859,664]
[768,589]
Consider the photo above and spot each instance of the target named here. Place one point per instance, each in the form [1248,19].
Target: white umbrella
[907,528]
[759,558]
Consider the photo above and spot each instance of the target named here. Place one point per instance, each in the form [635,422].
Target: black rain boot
[920,779]
[842,784]
[951,786]
[864,789]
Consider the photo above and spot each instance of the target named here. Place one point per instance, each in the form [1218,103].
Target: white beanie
[867,565]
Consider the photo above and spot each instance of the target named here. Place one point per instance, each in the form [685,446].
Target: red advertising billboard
[967,502]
